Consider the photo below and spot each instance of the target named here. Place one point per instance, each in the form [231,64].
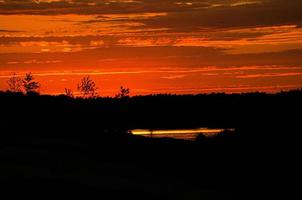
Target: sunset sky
[154,46]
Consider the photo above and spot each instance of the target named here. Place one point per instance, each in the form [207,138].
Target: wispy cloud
[173,73]
[229,89]
[10,31]
[171,77]
[34,61]
[170,42]
[270,75]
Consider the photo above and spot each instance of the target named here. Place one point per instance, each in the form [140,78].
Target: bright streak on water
[189,134]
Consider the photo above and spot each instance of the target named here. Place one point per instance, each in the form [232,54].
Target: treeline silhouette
[81,145]
[157,111]
[87,88]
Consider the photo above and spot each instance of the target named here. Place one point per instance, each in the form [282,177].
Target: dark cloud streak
[181,16]
[10,31]
[181,57]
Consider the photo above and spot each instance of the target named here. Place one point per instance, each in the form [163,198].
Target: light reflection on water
[188,134]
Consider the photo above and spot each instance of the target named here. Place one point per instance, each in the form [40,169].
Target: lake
[187,134]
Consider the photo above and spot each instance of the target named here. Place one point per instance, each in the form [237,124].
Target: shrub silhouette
[14,83]
[30,86]
[87,88]
[124,93]
[69,92]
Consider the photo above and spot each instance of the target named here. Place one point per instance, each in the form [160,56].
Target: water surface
[188,134]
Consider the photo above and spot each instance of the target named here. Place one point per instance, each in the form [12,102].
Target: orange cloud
[154,45]
[270,75]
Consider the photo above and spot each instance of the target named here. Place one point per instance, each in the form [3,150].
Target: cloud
[181,15]
[268,13]
[227,89]
[171,73]
[251,42]
[10,31]
[233,27]
[40,45]
[34,61]
[153,57]
[172,77]
[286,74]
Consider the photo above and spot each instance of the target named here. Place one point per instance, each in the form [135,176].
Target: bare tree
[87,88]
[124,93]
[14,83]
[69,92]
[29,84]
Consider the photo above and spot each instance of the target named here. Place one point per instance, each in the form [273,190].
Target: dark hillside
[57,144]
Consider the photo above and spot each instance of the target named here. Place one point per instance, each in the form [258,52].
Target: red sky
[154,46]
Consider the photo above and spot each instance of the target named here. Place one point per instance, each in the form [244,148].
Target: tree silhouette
[29,84]
[124,93]
[14,83]
[87,88]
[69,92]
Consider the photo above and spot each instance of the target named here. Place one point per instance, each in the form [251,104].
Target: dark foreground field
[52,145]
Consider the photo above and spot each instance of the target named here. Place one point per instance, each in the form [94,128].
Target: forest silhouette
[77,145]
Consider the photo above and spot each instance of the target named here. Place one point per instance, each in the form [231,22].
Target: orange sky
[154,46]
